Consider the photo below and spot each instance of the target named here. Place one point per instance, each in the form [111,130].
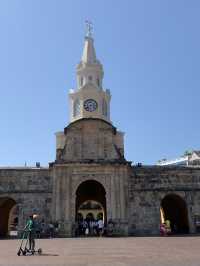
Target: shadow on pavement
[48,254]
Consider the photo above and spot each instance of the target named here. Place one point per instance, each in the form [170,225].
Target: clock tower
[89,100]
[90,163]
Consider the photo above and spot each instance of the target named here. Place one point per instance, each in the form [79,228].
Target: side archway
[174,209]
[8,216]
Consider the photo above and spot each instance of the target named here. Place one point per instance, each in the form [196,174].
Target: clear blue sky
[150,52]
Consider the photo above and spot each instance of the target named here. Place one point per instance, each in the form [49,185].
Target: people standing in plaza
[43,228]
[84,227]
[163,231]
[51,230]
[100,227]
[56,227]
[37,228]
[168,227]
[96,227]
[110,228]
[30,227]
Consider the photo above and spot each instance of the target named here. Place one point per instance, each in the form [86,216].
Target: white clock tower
[89,100]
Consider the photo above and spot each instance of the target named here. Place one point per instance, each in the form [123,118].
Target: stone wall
[133,194]
[89,139]
[149,185]
[30,188]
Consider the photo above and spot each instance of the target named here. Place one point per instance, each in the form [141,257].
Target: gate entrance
[8,216]
[174,209]
[91,210]
[90,207]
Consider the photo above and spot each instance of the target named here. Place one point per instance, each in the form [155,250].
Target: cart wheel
[19,253]
[24,253]
[39,251]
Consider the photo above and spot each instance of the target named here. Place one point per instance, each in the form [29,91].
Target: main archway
[91,196]
[8,216]
[174,209]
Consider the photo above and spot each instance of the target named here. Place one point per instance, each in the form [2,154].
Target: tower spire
[89,54]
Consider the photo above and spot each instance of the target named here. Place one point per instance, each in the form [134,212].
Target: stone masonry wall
[133,194]
[31,188]
[89,139]
[149,185]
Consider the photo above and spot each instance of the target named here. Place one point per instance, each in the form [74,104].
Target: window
[104,108]
[77,108]
[98,82]
[81,81]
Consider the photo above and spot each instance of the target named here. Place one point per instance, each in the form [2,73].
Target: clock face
[90,105]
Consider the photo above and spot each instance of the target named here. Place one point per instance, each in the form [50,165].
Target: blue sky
[150,53]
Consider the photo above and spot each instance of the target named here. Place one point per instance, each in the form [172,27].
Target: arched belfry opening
[91,201]
[8,216]
[174,209]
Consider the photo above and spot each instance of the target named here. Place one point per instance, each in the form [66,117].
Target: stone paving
[138,251]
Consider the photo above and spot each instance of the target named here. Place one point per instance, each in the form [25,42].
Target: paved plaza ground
[143,251]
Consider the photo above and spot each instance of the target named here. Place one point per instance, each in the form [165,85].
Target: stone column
[189,202]
[112,198]
[122,201]
[54,200]
[68,208]
[57,199]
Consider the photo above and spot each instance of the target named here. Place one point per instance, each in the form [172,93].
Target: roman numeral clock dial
[90,105]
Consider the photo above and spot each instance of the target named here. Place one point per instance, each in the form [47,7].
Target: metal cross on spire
[89,28]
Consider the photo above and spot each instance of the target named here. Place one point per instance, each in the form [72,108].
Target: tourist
[163,231]
[43,228]
[85,226]
[92,227]
[168,227]
[30,227]
[87,231]
[96,227]
[110,228]
[38,229]
[56,226]
[51,230]
[100,227]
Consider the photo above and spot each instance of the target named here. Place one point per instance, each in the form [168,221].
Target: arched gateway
[91,196]
[174,209]
[8,216]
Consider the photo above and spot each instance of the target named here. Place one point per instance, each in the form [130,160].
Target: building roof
[197,153]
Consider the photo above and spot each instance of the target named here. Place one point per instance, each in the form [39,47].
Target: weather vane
[89,28]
